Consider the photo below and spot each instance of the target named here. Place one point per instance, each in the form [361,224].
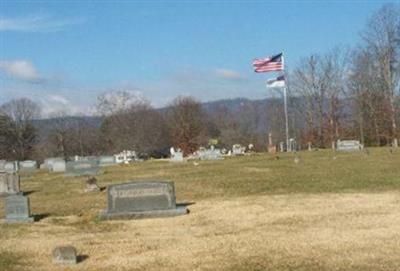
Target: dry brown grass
[285,232]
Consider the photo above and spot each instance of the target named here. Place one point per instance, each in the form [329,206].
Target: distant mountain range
[256,110]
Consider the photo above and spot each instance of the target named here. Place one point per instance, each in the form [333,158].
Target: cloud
[228,74]
[55,104]
[21,70]
[37,24]
[58,99]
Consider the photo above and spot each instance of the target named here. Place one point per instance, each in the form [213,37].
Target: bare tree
[382,37]
[334,69]
[5,135]
[130,122]
[21,134]
[364,90]
[310,84]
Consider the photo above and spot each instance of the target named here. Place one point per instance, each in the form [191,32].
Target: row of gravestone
[131,200]
[202,154]
[74,168]
[27,166]
[60,165]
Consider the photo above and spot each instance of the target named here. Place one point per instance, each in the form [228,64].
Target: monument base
[4,195]
[144,214]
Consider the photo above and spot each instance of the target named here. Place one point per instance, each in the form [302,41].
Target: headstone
[250,147]
[281,146]
[11,167]
[2,164]
[49,162]
[65,255]
[349,145]
[210,154]
[292,145]
[106,161]
[28,166]
[90,158]
[17,209]
[177,156]
[125,157]
[9,184]
[237,149]
[91,185]
[142,200]
[82,168]
[58,166]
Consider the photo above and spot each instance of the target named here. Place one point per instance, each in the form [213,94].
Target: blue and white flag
[278,82]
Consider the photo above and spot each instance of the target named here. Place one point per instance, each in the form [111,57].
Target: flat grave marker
[91,185]
[65,255]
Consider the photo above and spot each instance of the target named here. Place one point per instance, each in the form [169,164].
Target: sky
[64,54]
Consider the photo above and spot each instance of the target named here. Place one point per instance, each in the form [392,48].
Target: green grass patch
[318,172]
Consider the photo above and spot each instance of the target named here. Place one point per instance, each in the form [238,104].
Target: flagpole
[258,65]
[286,119]
[288,148]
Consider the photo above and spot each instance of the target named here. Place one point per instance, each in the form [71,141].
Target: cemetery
[199,135]
[272,209]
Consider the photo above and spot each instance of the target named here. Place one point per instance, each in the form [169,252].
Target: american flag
[269,64]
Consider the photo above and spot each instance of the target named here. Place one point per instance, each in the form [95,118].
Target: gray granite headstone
[142,199]
[210,154]
[82,168]
[58,166]
[49,162]
[9,184]
[17,209]
[65,255]
[106,161]
[28,166]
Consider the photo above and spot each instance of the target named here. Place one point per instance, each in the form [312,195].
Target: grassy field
[330,211]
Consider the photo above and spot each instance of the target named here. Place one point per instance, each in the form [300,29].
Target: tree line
[344,93]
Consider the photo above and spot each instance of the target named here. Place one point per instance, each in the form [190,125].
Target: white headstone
[177,157]
[349,145]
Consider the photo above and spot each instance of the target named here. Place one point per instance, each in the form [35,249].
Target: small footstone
[65,255]
[91,185]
